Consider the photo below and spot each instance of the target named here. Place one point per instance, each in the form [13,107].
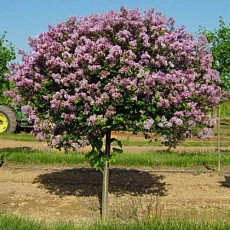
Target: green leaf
[112,160]
[113,140]
[118,142]
[157,119]
[97,143]
[96,159]
[116,150]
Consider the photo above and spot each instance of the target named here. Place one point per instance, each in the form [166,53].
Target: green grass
[225,109]
[187,143]
[203,143]
[162,225]
[17,136]
[146,159]
[165,158]
[28,156]
[17,223]
[12,222]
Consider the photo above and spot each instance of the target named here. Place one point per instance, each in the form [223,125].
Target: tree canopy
[7,54]
[219,41]
[117,71]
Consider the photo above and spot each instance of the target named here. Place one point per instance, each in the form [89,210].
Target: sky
[28,18]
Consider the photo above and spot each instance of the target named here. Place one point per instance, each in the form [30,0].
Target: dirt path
[49,193]
[22,144]
[127,149]
[74,193]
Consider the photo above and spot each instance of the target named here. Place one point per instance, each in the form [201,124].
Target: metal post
[105,186]
[218,139]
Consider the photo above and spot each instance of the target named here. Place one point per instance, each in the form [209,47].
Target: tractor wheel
[8,119]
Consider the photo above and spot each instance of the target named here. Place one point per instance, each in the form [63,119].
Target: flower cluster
[117,71]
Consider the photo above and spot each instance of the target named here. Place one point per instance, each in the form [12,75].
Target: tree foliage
[116,71]
[219,41]
[7,54]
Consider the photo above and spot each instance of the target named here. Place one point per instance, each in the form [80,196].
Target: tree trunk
[105,185]
[218,140]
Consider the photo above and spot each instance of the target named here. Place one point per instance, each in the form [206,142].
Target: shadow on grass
[17,149]
[226,183]
[6,152]
[88,182]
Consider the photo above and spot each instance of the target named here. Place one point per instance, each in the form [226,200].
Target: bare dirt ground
[50,193]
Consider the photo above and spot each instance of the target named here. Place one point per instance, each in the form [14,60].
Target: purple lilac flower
[148,124]
[205,133]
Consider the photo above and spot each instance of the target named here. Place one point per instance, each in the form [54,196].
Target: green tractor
[12,120]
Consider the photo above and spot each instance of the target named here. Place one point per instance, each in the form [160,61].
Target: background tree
[7,54]
[219,41]
[116,71]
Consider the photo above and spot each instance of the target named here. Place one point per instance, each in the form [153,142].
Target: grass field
[17,223]
[150,159]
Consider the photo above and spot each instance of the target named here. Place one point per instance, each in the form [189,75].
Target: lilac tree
[116,71]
